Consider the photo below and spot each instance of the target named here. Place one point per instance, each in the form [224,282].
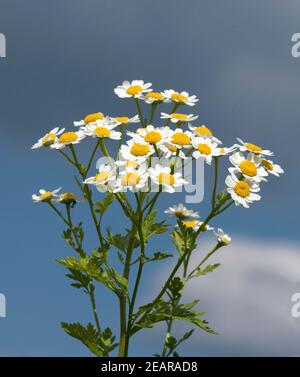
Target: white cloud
[248,300]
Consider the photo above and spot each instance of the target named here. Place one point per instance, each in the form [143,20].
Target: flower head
[68,138]
[181,211]
[179,118]
[134,89]
[204,148]
[67,198]
[151,135]
[204,132]
[180,97]
[196,224]
[272,168]
[105,174]
[125,120]
[154,97]
[242,191]
[102,130]
[165,179]
[48,139]
[131,179]
[250,166]
[180,139]
[252,148]
[90,118]
[133,150]
[222,237]
[45,196]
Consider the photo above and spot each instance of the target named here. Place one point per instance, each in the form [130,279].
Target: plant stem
[142,120]
[213,200]
[91,291]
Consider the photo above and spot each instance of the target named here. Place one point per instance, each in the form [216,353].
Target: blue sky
[63,60]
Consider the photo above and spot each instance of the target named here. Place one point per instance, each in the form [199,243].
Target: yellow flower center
[122,119]
[140,149]
[253,148]
[131,164]
[179,116]
[67,197]
[155,96]
[267,165]
[101,177]
[134,90]
[172,148]
[204,149]
[166,179]
[203,131]
[102,132]
[46,196]
[131,179]
[48,139]
[153,137]
[242,189]
[181,138]
[248,168]
[68,137]
[190,224]
[93,117]
[177,97]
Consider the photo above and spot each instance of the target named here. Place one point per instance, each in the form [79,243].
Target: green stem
[142,120]
[71,226]
[213,200]
[91,291]
[153,110]
[92,156]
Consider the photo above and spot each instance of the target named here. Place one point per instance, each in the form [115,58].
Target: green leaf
[171,342]
[121,241]
[175,288]
[98,343]
[164,311]
[206,270]
[159,255]
[105,203]
[150,227]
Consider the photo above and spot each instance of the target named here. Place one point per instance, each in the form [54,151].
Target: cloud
[248,300]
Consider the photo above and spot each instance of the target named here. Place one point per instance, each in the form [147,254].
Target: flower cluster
[250,166]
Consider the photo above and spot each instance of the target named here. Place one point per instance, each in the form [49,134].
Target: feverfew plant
[131,179]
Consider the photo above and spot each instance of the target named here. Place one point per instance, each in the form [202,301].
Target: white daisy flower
[222,237]
[68,138]
[205,148]
[151,135]
[131,179]
[250,166]
[106,173]
[195,225]
[102,130]
[180,98]
[272,168]
[224,151]
[204,132]
[181,211]
[169,150]
[124,120]
[45,196]
[136,150]
[127,163]
[164,178]
[90,118]
[242,191]
[180,139]
[48,139]
[253,148]
[178,117]
[153,97]
[134,88]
